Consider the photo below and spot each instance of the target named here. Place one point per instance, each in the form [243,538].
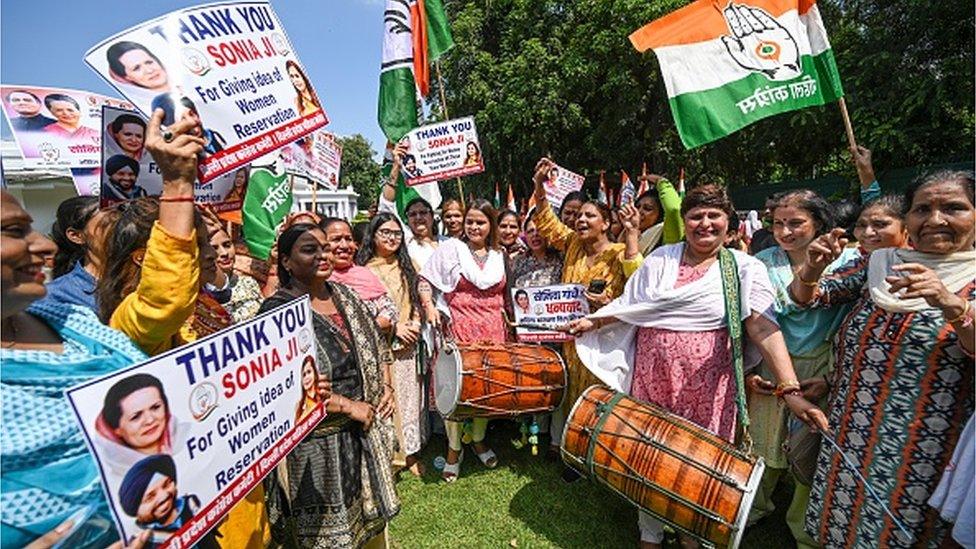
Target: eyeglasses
[390,234]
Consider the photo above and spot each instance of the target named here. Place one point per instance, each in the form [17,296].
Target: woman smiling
[903,382]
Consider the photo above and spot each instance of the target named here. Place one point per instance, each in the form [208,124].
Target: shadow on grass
[524,503]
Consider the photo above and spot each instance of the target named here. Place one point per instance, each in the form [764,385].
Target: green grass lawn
[524,503]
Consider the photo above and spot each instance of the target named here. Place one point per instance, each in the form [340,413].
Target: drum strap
[733,319]
[605,410]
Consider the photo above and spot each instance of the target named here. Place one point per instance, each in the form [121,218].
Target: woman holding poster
[337,488]
[385,255]
[158,259]
[421,238]
[469,276]
[48,474]
[591,260]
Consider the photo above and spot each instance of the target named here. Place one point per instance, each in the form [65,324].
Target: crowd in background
[857,317]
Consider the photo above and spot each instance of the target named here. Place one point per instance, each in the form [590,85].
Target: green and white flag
[416,34]
[267,202]
[728,64]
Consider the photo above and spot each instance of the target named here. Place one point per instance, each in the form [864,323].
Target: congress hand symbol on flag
[760,44]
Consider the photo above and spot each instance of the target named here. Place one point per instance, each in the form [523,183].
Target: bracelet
[181,198]
[791,384]
[962,315]
[792,391]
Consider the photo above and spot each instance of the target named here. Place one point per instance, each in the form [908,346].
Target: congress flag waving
[729,63]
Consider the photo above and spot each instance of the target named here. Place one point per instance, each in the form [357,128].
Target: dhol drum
[496,380]
[680,473]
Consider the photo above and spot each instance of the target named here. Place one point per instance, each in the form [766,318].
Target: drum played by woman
[666,341]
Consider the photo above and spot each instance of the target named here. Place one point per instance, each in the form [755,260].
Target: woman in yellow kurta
[158,258]
[589,257]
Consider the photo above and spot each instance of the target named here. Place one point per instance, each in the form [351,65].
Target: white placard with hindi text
[548,307]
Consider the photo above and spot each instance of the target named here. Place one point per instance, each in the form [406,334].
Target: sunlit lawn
[525,503]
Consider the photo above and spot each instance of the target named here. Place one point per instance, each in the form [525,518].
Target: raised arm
[674,227]
[546,222]
[870,189]
[170,278]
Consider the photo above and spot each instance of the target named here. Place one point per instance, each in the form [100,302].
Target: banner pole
[440,88]
[847,123]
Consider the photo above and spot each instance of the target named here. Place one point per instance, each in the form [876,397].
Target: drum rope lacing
[522,359]
[605,410]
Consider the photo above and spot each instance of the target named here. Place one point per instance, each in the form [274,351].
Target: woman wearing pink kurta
[665,339]
[469,277]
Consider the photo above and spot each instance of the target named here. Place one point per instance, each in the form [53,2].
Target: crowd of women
[857,347]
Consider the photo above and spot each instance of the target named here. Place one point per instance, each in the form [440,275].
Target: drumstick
[867,485]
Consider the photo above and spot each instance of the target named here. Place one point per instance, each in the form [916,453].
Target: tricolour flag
[416,34]
[602,194]
[498,197]
[627,191]
[728,65]
[511,199]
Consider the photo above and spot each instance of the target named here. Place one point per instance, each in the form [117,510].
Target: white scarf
[954,270]
[650,300]
[452,260]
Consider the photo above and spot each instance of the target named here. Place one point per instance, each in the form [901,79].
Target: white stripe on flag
[707,65]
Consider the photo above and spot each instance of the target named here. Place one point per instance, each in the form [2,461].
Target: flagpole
[440,88]
[847,123]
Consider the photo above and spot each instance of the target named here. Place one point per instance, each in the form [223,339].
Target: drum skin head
[447,379]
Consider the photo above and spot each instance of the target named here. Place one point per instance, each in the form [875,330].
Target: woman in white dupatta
[469,276]
[665,340]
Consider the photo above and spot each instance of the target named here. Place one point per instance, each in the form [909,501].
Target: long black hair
[73,213]
[408,274]
[286,242]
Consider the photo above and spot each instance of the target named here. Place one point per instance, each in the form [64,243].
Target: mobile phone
[597,286]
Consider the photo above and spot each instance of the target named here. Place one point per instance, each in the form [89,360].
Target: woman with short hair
[667,341]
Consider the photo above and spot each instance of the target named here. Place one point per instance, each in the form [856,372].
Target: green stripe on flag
[703,117]
[439,38]
[398,103]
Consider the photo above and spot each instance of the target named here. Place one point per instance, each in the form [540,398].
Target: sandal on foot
[452,470]
[489,459]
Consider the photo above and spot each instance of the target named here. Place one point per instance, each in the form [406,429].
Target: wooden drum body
[495,380]
[678,472]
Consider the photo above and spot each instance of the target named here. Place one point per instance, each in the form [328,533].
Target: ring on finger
[168,136]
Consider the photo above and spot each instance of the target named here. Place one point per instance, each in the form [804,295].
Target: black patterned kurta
[903,390]
[339,491]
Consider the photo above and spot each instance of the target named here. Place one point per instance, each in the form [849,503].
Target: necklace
[698,267]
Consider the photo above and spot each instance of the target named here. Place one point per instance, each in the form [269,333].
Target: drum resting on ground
[497,380]
[680,473]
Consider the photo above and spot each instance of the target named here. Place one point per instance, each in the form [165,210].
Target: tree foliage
[359,169]
[560,77]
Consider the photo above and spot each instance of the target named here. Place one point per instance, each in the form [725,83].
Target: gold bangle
[787,385]
[962,315]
